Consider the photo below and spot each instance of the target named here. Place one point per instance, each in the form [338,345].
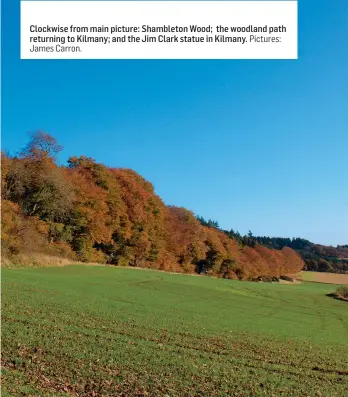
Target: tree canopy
[95,213]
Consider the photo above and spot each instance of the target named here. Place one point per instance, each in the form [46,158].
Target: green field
[105,331]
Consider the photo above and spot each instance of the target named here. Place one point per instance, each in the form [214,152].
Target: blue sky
[259,145]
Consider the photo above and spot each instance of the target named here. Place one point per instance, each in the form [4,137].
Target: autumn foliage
[93,213]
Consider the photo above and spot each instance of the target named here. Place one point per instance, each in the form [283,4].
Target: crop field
[106,331]
[320,277]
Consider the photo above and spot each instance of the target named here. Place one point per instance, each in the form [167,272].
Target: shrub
[342,292]
[286,278]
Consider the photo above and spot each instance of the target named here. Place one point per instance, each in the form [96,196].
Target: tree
[36,183]
[228,268]
[41,145]
[40,188]
[113,215]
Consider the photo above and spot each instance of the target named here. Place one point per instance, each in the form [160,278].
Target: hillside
[94,331]
[315,256]
[92,213]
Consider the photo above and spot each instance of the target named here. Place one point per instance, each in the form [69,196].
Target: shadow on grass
[335,296]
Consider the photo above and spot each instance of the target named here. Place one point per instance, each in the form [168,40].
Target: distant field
[319,277]
[102,331]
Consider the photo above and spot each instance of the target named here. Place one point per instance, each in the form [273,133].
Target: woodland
[88,212]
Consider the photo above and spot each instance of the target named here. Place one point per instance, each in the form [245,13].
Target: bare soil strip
[328,278]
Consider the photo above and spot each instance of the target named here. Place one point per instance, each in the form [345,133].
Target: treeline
[89,212]
[316,257]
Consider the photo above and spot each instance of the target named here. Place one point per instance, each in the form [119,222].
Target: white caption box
[159,30]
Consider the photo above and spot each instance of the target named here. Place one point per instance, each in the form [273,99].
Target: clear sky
[259,145]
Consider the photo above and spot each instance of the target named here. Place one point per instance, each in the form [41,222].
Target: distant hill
[93,213]
[316,257]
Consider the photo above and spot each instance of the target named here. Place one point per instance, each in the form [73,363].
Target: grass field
[320,277]
[102,331]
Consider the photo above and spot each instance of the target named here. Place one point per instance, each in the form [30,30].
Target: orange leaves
[90,207]
[293,261]
[113,215]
